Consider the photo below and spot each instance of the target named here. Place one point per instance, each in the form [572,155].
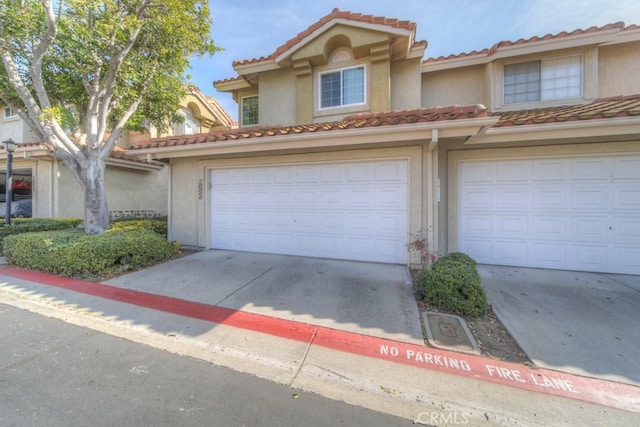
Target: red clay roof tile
[605,108]
[335,14]
[493,49]
[355,121]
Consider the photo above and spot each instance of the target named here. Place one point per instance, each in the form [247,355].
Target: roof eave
[563,130]
[461,128]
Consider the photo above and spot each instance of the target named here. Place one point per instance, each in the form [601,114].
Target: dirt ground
[492,337]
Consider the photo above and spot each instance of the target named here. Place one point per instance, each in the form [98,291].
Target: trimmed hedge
[28,225]
[73,253]
[453,284]
[157,225]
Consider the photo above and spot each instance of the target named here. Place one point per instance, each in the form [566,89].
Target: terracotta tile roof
[120,155]
[335,14]
[491,51]
[604,108]
[356,121]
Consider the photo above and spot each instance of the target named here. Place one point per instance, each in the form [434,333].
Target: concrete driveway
[367,298]
[582,323]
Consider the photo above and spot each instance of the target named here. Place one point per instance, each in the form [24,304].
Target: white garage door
[355,211]
[564,213]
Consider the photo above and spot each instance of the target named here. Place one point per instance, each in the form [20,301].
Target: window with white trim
[249,110]
[545,80]
[10,113]
[339,88]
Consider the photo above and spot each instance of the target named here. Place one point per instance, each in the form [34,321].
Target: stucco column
[380,88]
[304,91]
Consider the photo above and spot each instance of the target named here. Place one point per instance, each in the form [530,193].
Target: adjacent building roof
[614,28]
[356,121]
[604,108]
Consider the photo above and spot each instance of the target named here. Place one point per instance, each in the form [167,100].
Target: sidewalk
[413,381]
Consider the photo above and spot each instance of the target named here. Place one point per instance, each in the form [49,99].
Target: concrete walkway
[577,322]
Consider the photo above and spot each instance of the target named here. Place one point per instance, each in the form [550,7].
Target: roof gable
[395,28]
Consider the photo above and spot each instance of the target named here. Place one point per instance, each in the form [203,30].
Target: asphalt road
[56,374]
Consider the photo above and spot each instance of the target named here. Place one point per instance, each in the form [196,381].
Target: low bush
[28,225]
[453,284]
[157,225]
[75,254]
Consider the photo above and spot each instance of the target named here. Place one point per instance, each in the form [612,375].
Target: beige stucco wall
[619,70]
[405,84]
[189,215]
[277,97]
[450,158]
[127,190]
[462,86]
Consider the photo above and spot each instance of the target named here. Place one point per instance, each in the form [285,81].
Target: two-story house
[352,145]
[135,187]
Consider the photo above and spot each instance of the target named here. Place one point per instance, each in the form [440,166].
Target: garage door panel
[626,169]
[339,210]
[477,225]
[476,198]
[512,251]
[510,172]
[625,229]
[571,213]
[550,170]
[511,198]
[550,227]
[588,257]
[389,172]
[627,197]
[590,229]
[593,197]
[548,254]
[628,257]
[549,198]
[513,226]
[591,169]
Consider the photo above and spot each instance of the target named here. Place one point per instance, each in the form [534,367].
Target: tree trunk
[96,212]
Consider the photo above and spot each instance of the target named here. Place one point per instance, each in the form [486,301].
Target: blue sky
[248,29]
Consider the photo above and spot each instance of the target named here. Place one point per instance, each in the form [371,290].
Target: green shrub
[460,257]
[75,254]
[28,225]
[453,284]
[157,225]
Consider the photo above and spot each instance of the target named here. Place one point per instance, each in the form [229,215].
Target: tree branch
[35,70]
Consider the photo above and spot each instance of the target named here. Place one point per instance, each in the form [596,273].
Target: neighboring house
[525,154]
[135,187]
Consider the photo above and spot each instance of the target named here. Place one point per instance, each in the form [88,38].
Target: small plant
[453,284]
[418,245]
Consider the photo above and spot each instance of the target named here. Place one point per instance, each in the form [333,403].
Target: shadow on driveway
[582,323]
[367,298]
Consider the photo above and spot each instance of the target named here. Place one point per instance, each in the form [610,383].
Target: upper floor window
[342,87]
[249,110]
[189,126]
[546,80]
[9,113]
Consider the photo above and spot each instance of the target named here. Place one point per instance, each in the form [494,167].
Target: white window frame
[9,113]
[341,70]
[242,124]
[541,89]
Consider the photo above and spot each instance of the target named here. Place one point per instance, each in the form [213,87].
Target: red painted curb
[608,393]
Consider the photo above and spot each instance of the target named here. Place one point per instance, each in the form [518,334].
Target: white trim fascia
[574,129]
[446,64]
[232,85]
[256,67]
[133,165]
[626,36]
[367,135]
[369,26]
